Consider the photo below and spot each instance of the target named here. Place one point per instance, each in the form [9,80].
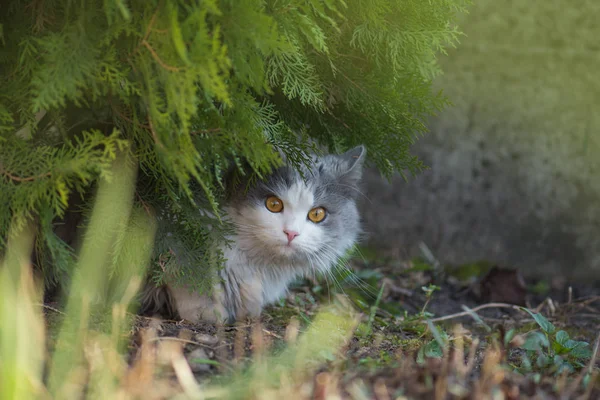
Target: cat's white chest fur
[259,284]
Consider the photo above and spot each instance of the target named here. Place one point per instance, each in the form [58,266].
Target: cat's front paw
[195,308]
[252,301]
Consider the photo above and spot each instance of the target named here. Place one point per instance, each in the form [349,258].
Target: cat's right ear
[281,154]
[354,160]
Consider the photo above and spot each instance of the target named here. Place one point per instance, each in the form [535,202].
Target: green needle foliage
[191,89]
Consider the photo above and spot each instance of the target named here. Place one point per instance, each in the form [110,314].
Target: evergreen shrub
[190,89]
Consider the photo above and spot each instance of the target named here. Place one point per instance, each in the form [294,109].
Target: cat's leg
[251,296]
[196,307]
[243,291]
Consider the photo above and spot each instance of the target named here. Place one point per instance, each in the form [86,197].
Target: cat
[290,224]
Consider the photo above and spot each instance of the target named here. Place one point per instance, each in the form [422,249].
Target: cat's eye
[274,204]
[317,214]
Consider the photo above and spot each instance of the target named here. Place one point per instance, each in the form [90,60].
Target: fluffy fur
[261,262]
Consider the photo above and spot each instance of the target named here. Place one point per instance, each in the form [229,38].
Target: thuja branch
[158,59]
[15,178]
[144,42]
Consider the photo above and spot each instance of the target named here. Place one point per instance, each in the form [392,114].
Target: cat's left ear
[354,160]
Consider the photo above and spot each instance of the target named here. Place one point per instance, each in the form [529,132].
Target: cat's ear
[353,161]
[280,153]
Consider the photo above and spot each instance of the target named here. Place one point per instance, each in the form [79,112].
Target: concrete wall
[515,163]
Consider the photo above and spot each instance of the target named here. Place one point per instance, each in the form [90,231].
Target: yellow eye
[274,204]
[317,214]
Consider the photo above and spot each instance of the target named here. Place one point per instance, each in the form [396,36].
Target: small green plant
[414,323]
[552,349]
[433,348]
[429,290]
[381,359]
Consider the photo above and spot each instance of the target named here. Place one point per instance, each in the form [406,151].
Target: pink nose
[290,235]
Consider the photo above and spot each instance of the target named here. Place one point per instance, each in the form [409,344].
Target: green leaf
[526,363]
[581,351]
[535,341]
[558,348]
[571,344]
[557,360]
[559,345]
[564,366]
[433,350]
[541,321]
[441,337]
[508,336]
[562,337]
[543,361]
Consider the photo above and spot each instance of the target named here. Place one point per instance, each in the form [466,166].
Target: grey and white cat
[286,226]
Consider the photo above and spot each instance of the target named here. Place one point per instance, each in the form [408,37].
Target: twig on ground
[587,315]
[272,334]
[187,341]
[392,287]
[472,310]
[477,318]
[586,300]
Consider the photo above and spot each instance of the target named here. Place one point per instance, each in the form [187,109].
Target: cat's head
[310,218]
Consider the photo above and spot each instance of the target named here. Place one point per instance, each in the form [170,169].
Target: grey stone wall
[515,164]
